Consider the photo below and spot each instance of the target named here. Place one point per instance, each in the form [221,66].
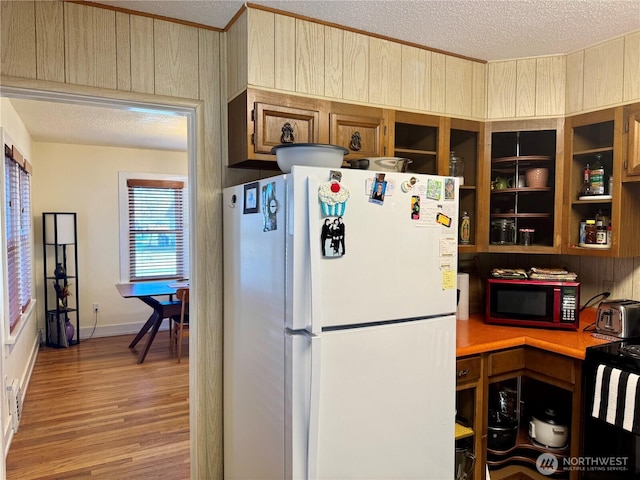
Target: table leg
[145,328]
[152,335]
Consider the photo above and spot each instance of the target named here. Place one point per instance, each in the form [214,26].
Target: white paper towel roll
[463,303]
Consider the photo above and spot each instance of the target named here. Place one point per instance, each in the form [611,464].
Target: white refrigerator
[339,326]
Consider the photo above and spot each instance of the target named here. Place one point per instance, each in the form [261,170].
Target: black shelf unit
[60,260]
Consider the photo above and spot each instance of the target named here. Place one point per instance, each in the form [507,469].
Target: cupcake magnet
[333,198]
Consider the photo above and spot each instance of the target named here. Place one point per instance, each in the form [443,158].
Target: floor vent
[14,395]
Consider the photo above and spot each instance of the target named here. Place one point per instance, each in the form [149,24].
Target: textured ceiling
[90,125]
[482,29]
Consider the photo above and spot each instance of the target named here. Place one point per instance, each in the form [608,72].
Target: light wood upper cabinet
[459,86]
[385,72]
[526,88]
[309,57]
[603,74]
[631,67]
[550,85]
[438,83]
[416,79]
[306,57]
[237,65]
[285,53]
[355,72]
[333,62]
[501,89]
[260,56]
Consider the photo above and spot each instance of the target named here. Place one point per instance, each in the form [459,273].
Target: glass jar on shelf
[503,232]
[456,166]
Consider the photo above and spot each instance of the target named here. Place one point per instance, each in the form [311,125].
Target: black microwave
[533,303]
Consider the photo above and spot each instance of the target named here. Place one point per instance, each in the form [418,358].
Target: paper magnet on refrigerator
[332,237]
[269,207]
[415,207]
[378,189]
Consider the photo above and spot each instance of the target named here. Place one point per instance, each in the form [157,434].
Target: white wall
[19,348]
[84,179]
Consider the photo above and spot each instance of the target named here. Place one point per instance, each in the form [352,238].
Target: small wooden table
[162,309]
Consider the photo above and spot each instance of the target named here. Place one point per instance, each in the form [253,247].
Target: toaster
[619,318]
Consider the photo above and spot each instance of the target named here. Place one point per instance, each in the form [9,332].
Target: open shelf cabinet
[599,136]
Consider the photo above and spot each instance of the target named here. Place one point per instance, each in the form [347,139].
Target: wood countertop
[474,336]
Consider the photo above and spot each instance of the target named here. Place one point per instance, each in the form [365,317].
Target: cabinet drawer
[505,361]
[468,369]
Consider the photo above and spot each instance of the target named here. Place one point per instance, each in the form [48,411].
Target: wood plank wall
[81,49]
[308,58]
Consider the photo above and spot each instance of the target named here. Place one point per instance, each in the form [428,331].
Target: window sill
[12,338]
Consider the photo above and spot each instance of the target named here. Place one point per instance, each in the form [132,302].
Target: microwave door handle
[557,304]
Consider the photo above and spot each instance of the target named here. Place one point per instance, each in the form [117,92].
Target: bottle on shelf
[465,229]
[601,228]
[597,177]
[590,231]
[585,188]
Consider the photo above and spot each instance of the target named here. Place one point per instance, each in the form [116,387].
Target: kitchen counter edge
[474,336]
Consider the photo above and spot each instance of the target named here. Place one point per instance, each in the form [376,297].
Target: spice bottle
[596,176]
[590,231]
[585,188]
[601,228]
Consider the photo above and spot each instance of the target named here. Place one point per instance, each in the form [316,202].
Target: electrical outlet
[96,307]
[608,286]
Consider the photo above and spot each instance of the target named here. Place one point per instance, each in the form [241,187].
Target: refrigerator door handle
[314,410]
[314,256]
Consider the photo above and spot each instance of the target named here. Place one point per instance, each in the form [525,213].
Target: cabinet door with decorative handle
[632,161]
[361,132]
[277,124]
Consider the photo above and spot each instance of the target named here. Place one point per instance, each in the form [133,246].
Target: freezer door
[395,265]
[381,403]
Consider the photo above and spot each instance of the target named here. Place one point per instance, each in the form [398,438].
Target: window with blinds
[18,233]
[157,239]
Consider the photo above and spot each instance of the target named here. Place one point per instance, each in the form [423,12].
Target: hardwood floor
[92,412]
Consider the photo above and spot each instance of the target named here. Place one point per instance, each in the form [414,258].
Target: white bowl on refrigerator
[308,154]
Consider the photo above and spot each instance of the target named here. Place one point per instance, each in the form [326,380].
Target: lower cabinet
[520,408]
[469,418]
